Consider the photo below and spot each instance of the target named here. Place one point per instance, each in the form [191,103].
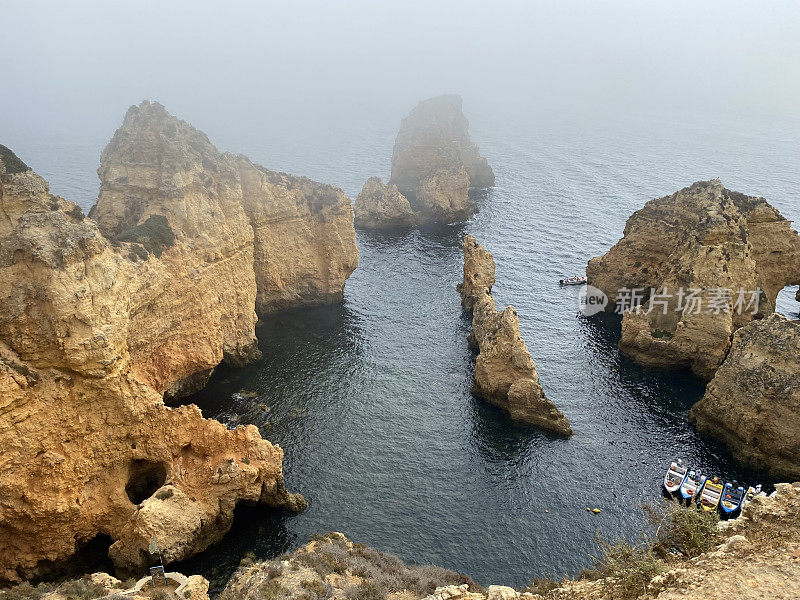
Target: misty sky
[81,64]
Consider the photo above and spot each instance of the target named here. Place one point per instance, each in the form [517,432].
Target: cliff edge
[103,315]
[753,403]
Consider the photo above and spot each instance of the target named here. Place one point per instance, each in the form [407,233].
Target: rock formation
[103,585]
[434,164]
[704,238]
[101,316]
[296,234]
[331,566]
[382,206]
[505,373]
[753,402]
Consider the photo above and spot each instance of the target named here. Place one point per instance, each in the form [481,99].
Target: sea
[370,399]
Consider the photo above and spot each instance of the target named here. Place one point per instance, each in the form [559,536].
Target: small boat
[577,280]
[675,475]
[751,493]
[692,482]
[732,497]
[709,495]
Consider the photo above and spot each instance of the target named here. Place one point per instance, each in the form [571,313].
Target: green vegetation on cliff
[155,235]
[11,161]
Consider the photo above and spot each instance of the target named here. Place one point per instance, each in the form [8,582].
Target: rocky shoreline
[106,314]
[703,238]
[754,556]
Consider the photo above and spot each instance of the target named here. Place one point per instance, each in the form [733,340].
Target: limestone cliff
[98,319]
[296,235]
[382,206]
[705,238]
[505,373]
[753,402]
[434,164]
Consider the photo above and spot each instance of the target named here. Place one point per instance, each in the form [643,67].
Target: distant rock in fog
[434,164]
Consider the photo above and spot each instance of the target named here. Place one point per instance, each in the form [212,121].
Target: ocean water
[371,399]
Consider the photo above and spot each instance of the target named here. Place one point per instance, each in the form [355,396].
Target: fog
[248,66]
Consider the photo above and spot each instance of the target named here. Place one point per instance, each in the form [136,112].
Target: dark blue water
[370,400]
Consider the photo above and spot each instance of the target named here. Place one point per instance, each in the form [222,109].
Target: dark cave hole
[144,478]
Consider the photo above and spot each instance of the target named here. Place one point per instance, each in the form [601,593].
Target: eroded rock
[505,373]
[704,237]
[753,402]
[94,328]
[382,206]
[434,164]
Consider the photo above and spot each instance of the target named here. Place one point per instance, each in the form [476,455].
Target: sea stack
[753,403]
[505,373]
[732,252]
[103,316]
[434,164]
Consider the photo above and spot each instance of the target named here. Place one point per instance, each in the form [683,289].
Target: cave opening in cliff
[144,478]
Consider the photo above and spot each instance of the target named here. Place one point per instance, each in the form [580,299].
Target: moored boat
[709,495]
[676,473]
[751,493]
[691,483]
[577,280]
[732,497]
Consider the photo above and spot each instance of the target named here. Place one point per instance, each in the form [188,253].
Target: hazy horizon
[249,65]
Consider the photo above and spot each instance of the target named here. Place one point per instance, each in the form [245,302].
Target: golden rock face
[102,315]
[505,373]
[434,164]
[704,237]
[753,403]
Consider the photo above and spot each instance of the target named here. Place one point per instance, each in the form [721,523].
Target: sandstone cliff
[380,206]
[753,402]
[434,164]
[505,373]
[295,235]
[101,316]
[706,238]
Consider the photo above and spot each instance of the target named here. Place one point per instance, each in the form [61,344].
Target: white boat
[693,481]
[676,473]
[751,493]
[577,280]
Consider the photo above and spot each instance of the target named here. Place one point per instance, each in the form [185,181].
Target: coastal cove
[371,401]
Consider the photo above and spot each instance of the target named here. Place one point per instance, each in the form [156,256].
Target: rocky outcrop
[753,402]
[434,164]
[295,235]
[99,319]
[704,239]
[505,373]
[103,585]
[382,206]
[331,566]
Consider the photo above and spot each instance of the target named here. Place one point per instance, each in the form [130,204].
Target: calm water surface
[371,399]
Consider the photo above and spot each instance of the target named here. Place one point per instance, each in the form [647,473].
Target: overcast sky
[81,64]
